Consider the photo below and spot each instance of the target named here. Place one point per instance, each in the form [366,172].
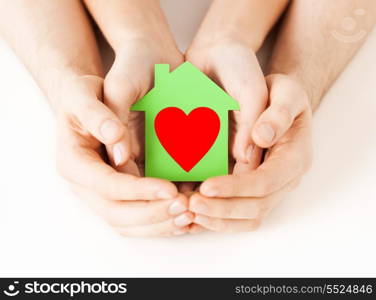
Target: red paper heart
[187,138]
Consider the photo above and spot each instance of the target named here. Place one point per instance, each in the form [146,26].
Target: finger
[286,161]
[119,95]
[95,117]
[245,82]
[287,101]
[162,229]
[243,148]
[82,165]
[226,220]
[130,167]
[233,208]
[274,174]
[239,208]
[133,213]
[226,225]
[241,167]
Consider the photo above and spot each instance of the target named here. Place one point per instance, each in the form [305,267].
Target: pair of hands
[95,111]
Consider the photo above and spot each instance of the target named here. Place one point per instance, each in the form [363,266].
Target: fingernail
[199,207]
[266,132]
[182,220]
[249,153]
[164,195]
[201,220]
[110,130]
[179,232]
[117,151]
[177,208]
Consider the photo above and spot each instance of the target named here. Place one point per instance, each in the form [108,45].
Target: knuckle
[283,114]
[118,88]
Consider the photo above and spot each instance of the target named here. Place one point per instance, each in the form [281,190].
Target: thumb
[119,95]
[287,101]
[246,83]
[252,103]
[100,121]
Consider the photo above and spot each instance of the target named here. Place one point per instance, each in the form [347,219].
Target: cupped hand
[235,67]
[129,79]
[238,202]
[133,205]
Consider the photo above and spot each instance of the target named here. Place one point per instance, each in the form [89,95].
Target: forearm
[53,38]
[244,21]
[124,21]
[309,48]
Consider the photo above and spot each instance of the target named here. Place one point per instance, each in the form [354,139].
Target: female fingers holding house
[224,48]
[140,36]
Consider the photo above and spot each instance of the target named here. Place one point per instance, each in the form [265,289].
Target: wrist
[163,43]
[227,35]
[247,22]
[148,28]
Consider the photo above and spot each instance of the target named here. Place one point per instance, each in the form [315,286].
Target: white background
[325,228]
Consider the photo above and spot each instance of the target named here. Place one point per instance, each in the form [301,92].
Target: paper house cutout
[186,88]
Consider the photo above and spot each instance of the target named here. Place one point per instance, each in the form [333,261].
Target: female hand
[56,42]
[140,38]
[234,66]
[239,202]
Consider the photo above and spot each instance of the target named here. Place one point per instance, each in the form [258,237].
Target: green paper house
[186,125]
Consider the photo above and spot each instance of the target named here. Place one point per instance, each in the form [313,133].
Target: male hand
[133,205]
[238,202]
